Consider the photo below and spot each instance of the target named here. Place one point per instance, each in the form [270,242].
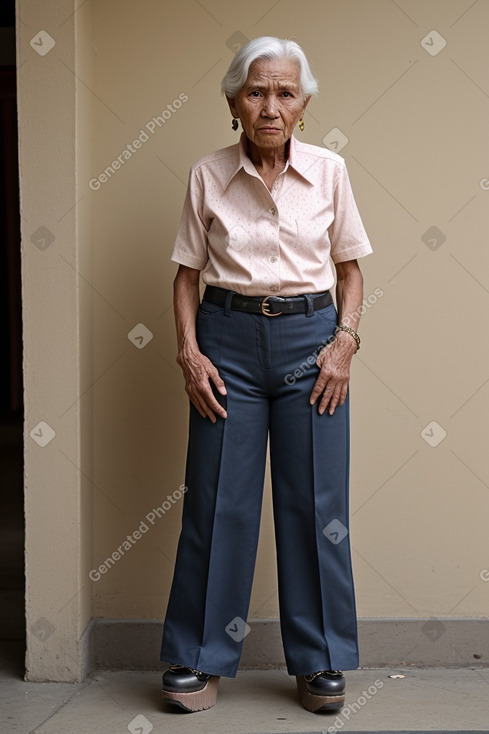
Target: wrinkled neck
[268,159]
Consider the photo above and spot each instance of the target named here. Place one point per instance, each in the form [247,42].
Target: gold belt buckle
[265,305]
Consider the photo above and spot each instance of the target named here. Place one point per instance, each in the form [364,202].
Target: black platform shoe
[322,691]
[190,689]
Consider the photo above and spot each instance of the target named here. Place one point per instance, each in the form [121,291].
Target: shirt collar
[296,161]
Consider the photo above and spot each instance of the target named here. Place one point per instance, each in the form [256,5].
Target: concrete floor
[262,701]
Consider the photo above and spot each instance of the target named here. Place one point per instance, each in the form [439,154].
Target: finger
[204,409]
[213,374]
[318,388]
[324,385]
[338,398]
[325,400]
[218,382]
[198,406]
[334,395]
[210,408]
[207,404]
[215,401]
[333,403]
[215,407]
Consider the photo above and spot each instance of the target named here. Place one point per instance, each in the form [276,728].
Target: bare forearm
[198,370]
[349,296]
[185,305]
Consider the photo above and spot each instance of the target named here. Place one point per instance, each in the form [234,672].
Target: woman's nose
[270,106]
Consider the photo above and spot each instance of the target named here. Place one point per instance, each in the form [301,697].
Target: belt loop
[310,305]
[227,303]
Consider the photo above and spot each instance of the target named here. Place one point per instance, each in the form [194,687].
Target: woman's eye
[255,94]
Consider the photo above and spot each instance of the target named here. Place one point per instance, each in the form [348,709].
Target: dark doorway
[12,606]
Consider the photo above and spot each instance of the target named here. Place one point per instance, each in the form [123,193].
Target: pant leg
[209,600]
[310,472]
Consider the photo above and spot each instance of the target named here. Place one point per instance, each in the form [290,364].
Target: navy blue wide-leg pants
[268,366]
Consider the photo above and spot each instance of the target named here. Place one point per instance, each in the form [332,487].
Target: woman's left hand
[334,362]
[335,359]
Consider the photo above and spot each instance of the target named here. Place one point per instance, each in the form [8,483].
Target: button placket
[274,225]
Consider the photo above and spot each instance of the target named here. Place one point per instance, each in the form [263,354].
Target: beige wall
[54,149]
[416,125]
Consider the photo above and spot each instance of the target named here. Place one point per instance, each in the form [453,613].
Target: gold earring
[234,124]
[301,124]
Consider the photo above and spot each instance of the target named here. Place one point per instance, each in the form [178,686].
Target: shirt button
[274,288]
[273,259]
[273,211]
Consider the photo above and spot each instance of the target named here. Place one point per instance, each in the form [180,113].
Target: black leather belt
[268,305]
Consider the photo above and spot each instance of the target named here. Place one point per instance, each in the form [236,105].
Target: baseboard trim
[129,644]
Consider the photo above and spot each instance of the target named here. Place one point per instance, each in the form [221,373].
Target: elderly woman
[270,224]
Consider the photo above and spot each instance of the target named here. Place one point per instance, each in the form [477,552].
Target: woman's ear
[306,101]
[232,107]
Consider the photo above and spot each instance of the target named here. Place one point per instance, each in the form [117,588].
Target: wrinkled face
[270,103]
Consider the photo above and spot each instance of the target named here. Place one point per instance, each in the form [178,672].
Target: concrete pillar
[53,105]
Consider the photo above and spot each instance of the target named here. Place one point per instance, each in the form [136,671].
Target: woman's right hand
[200,374]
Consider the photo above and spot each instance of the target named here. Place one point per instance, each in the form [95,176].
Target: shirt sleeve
[190,246]
[349,239]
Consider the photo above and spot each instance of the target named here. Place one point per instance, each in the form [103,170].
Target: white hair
[269,48]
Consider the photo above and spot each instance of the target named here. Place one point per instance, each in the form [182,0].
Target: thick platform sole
[197,700]
[314,703]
